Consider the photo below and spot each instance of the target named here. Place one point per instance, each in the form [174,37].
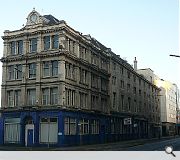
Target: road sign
[127,121]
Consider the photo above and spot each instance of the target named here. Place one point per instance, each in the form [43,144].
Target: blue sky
[146,29]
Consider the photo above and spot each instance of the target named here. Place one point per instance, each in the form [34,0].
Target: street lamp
[172,55]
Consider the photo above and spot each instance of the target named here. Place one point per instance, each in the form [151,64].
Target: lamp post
[172,55]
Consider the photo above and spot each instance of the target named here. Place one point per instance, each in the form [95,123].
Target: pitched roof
[50,20]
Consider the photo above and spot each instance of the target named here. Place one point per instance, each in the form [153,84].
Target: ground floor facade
[168,129]
[55,127]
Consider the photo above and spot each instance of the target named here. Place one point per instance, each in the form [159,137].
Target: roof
[50,20]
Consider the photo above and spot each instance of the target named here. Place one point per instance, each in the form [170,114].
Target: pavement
[121,145]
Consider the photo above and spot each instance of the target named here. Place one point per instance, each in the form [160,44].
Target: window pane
[33,45]
[17,97]
[32,70]
[19,71]
[46,69]
[11,72]
[55,41]
[20,47]
[46,42]
[13,48]
[54,68]
[54,92]
[10,99]
[32,96]
[45,96]
[12,133]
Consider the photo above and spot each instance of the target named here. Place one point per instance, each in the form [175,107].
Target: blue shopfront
[61,128]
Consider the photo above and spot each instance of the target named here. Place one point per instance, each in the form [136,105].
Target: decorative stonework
[34,18]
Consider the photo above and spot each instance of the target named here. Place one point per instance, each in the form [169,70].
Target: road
[157,146]
[132,145]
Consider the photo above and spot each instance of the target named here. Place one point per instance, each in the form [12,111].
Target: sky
[146,29]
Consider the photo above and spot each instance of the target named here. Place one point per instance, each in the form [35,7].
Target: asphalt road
[133,145]
[157,146]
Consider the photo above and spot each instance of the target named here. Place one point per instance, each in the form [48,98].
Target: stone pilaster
[61,70]
[6,50]
[40,43]
[4,74]
[3,97]
[62,95]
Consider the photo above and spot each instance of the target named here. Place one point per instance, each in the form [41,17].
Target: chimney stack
[135,64]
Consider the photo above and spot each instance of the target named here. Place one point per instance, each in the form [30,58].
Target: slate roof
[50,20]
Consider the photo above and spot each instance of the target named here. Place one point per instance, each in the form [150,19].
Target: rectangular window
[20,47]
[48,130]
[70,97]
[83,100]
[95,127]
[54,95]
[12,130]
[83,126]
[17,97]
[122,102]
[134,90]
[129,103]
[134,78]
[13,48]
[94,80]
[122,70]
[32,70]
[55,42]
[83,76]
[114,99]
[69,126]
[15,72]
[33,45]
[31,94]
[113,80]
[11,72]
[45,94]
[46,69]
[128,87]
[122,84]
[50,68]
[10,98]
[128,74]
[46,42]
[18,69]
[104,84]
[54,68]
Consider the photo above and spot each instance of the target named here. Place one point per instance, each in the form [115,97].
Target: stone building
[169,100]
[60,87]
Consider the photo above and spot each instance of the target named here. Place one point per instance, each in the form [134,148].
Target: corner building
[61,88]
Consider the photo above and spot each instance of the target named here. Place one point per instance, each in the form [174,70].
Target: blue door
[30,137]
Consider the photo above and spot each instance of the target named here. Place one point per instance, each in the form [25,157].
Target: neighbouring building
[177,110]
[168,101]
[60,87]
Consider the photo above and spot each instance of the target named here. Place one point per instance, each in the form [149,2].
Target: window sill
[13,80]
[48,77]
[31,78]
[72,79]
[83,83]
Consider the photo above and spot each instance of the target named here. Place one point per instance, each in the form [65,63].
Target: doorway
[29,132]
